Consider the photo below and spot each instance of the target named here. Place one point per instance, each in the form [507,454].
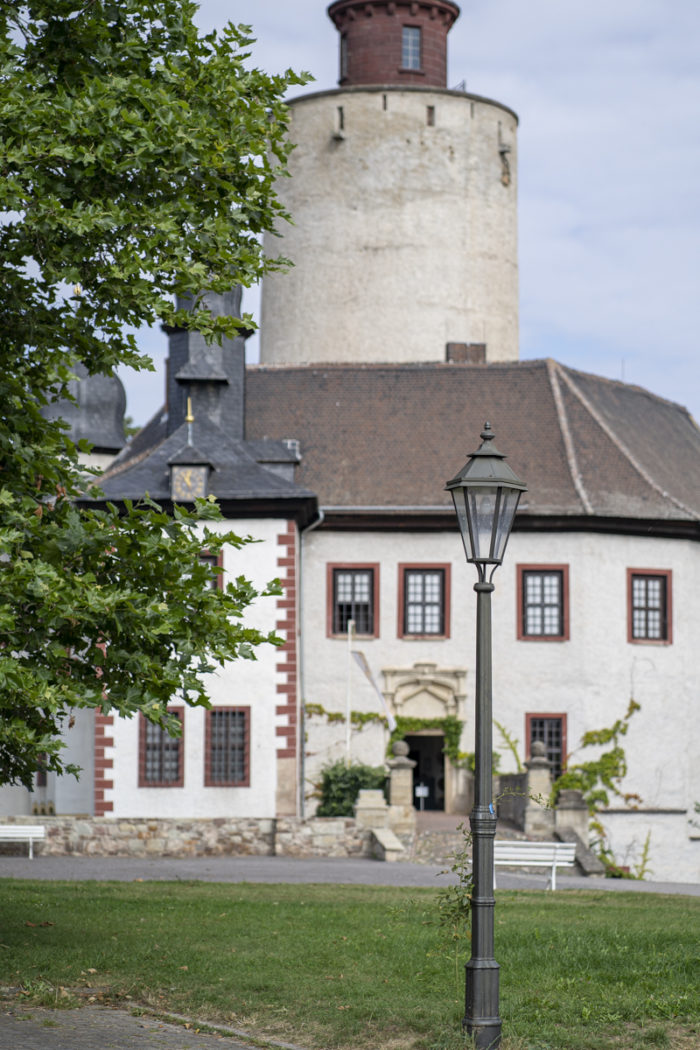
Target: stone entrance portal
[427,691]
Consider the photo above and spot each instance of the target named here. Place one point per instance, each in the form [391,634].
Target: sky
[608,96]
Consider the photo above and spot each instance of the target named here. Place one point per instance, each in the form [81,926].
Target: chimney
[466,353]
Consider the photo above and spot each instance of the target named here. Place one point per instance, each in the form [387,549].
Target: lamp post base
[481,1020]
[487,1036]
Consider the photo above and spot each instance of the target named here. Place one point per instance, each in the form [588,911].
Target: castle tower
[403,196]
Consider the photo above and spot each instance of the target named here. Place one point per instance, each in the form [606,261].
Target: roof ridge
[620,445]
[552,370]
[406,366]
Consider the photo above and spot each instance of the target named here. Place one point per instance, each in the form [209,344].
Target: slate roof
[383,436]
[236,478]
[96,414]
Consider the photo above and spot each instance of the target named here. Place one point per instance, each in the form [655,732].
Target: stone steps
[441,845]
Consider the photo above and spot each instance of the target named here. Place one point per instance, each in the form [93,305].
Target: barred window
[353,599]
[410,47]
[160,755]
[649,604]
[227,747]
[423,601]
[543,602]
[551,730]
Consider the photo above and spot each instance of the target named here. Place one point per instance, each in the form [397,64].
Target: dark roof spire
[208,378]
[97,414]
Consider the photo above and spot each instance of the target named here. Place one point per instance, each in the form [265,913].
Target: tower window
[343,57]
[410,47]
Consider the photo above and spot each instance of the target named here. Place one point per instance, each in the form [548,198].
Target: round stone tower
[403,196]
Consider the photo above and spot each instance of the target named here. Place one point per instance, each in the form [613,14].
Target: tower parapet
[393,43]
[404,200]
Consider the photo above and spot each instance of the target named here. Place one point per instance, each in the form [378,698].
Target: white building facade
[384,351]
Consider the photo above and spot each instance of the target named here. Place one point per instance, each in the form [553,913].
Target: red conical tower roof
[393,43]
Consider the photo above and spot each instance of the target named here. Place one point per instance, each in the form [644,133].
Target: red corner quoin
[102,764]
[286,625]
[371,36]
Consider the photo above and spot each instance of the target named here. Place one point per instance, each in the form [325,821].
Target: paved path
[293,869]
[101,1028]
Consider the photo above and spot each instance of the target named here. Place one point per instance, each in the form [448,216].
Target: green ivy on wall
[357,718]
[450,726]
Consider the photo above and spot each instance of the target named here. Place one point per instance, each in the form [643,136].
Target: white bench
[520,854]
[30,833]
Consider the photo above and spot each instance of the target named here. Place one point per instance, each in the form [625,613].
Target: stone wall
[108,837]
[321,837]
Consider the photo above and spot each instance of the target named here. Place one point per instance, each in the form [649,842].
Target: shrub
[341,784]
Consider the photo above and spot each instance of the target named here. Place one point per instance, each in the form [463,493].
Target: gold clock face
[188,483]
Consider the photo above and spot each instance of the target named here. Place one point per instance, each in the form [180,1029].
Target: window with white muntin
[543,602]
[649,605]
[353,596]
[411,47]
[424,601]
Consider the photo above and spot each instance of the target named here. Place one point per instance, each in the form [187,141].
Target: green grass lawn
[361,967]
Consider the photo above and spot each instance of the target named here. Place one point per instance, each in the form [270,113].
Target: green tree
[138,161]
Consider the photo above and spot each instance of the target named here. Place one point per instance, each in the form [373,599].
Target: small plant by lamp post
[486,494]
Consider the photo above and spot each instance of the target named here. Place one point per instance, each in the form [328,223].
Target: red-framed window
[543,603]
[352,594]
[41,771]
[411,47]
[424,601]
[550,728]
[161,756]
[217,562]
[227,747]
[649,606]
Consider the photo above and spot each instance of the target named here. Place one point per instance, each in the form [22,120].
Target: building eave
[441,519]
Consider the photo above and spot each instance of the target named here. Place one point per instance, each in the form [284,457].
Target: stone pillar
[402,815]
[538,819]
[371,810]
[571,813]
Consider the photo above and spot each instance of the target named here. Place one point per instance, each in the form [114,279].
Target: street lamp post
[486,494]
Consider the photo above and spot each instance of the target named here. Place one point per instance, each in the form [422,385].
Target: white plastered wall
[240,683]
[590,678]
[404,235]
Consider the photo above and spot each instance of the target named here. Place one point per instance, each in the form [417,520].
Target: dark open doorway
[427,753]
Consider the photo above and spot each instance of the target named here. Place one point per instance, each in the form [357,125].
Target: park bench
[520,854]
[30,833]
